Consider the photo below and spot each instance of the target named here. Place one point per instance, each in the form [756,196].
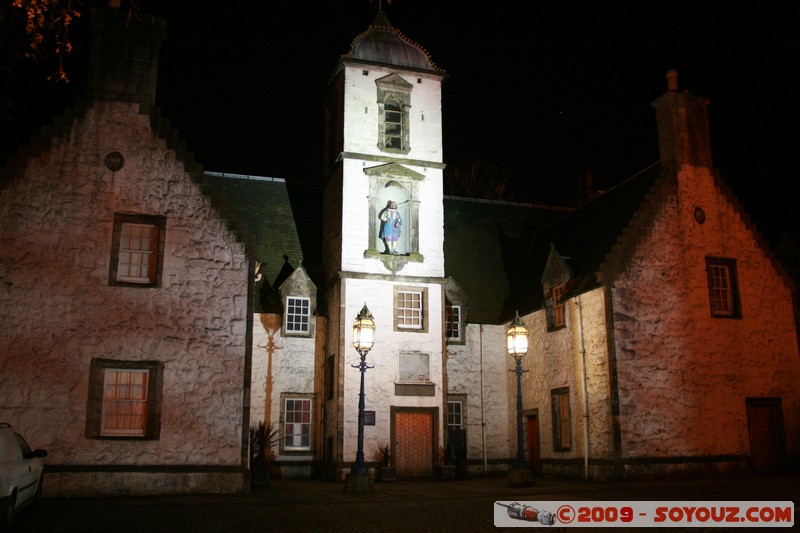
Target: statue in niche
[391,222]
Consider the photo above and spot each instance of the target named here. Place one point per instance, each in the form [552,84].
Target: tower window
[393,126]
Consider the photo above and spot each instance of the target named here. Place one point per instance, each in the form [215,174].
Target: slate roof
[259,211]
[584,239]
[482,241]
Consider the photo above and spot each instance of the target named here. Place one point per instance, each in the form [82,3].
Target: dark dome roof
[382,43]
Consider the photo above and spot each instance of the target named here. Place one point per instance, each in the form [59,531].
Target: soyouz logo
[644,514]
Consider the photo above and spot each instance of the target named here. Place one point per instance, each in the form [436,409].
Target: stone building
[127,290]
[662,328]
[662,332]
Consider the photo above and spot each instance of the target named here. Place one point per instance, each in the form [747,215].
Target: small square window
[298,314]
[137,250]
[408,309]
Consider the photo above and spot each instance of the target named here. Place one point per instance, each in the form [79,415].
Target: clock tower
[383,246]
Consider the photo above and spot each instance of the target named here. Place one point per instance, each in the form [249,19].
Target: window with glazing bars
[297,424]
[409,309]
[298,312]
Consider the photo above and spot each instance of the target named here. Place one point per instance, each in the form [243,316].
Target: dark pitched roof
[481,243]
[259,212]
[583,238]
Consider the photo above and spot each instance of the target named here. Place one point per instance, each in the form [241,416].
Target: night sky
[541,92]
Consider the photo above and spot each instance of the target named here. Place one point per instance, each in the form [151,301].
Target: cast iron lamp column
[517,337]
[363,340]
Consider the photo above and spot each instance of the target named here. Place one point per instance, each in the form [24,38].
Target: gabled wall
[59,312]
[684,377]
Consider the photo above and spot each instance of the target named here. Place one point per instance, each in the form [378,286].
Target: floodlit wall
[60,312]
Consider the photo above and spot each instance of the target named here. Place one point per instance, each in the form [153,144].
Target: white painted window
[452,322]
[124,403]
[455,414]
[408,310]
[298,314]
[297,424]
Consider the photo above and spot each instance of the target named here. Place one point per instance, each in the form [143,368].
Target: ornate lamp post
[363,339]
[517,338]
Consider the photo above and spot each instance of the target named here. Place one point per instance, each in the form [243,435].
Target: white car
[21,473]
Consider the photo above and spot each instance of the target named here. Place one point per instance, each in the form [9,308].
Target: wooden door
[413,432]
[534,459]
[765,428]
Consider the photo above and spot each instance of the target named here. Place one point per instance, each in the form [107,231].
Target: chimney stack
[124,57]
[683,131]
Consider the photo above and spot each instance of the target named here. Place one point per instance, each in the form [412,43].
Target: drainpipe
[577,301]
[483,421]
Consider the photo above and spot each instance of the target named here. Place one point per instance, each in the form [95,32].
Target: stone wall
[478,369]
[684,376]
[59,310]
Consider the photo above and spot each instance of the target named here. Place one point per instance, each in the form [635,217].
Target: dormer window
[298,313]
[556,303]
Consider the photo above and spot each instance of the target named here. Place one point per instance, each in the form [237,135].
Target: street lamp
[517,341]
[363,340]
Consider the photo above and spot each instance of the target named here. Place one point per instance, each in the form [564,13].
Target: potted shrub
[382,454]
[262,438]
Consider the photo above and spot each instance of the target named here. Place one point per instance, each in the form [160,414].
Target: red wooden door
[413,443]
[534,459]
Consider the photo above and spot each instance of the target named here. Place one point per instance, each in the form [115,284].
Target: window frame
[96,404]
[297,449]
[422,326]
[715,265]
[394,96]
[450,414]
[453,323]
[562,419]
[287,315]
[157,223]
[556,308]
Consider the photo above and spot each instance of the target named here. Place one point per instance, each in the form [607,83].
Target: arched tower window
[394,104]
[393,125]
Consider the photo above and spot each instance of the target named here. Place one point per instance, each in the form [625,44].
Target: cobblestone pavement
[400,506]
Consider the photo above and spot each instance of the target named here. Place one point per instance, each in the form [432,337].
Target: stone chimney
[124,57]
[683,133]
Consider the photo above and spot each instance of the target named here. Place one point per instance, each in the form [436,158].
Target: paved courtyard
[403,505]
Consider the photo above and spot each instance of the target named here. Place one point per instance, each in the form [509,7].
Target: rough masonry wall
[576,357]
[684,376]
[282,364]
[478,369]
[59,310]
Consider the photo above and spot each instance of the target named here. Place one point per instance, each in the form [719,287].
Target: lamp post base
[520,477]
[358,482]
